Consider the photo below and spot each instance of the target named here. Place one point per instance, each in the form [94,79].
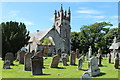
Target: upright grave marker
[64,59]
[6,64]
[56,59]
[93,67]
[109,58]
[80,64]
[116,61]
[36,65]
[9,56]
[27,62]
[72,58]
[21,55]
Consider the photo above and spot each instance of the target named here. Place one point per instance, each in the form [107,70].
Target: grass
[17,71]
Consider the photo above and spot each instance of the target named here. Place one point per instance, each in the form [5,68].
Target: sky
[39,15]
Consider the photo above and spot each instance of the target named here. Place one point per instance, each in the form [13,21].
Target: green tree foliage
[75,40]
[14,37]
[46,41]
[111,34]
[91,35]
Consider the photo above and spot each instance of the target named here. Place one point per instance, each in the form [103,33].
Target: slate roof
[38,35]
[115,46]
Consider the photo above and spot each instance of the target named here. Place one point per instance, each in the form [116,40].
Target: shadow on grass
[101,73]
[60,68]
[102,66]
[74,65]
[85,69]
[41,74]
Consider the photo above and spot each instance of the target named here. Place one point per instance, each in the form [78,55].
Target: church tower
[62,25]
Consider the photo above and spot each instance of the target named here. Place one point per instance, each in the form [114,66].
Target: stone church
[59,34]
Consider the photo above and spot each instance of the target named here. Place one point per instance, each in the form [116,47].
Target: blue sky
[39,15]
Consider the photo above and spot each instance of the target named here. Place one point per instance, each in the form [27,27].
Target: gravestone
[27,61]
[64,59]
[77,53]
[55,61]
[80,64]
[93,67]
[45,51]
[85,76]
[6,64]
[40,54]
[33,52]
[116,61]
[17,58]
[99,57]
[99,51]
[109,58]
[36,65]
[100,60]
[21,55]
[87,56]
[9,56]
[83,58]
[90,52]
[72,58]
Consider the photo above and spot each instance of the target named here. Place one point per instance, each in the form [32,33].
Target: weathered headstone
[87,56]
[17,58]
[40,54]
[36,65]
[6,64]
[89,52]
[9,56]
[55,61]
[85,76]
[100,60]
[45,51]
[64,59]
[99,57]
[80,64]
[99,51]
[27,62]
[77,53]
[93,67]
[83,58]
[72,58]
[109,58]
[21,55]
[116,61]
[33,52]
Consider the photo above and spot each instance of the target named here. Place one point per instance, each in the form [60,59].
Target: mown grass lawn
[17,71]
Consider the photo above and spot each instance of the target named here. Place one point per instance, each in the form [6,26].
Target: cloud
[85,11]
[99,17]
[14,15]
[28,23]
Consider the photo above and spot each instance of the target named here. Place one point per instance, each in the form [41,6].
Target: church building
[59,34]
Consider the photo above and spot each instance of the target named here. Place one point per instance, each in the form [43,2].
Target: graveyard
[17,71]
[57,53]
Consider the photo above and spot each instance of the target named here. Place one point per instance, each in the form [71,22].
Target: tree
[111,34]
[92,35]
[45,41]
[14,37]
[74,40]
